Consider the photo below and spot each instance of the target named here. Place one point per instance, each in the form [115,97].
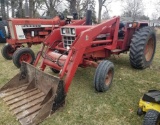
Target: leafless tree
[154,16]
[105,15]
[133,8]
[157,10]
[13,7]
[51,7]
[31,7]
[80,6]
[72,5]
[20,8]
[3,12]
[102,3]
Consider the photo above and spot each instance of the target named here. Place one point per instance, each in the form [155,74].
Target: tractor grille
[68,40]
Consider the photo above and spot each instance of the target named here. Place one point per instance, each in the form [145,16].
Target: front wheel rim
[25,57]
[109,77]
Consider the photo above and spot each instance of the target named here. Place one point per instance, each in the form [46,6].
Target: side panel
[20,33]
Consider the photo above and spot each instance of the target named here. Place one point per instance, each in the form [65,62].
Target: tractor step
[116,51]
[33,95]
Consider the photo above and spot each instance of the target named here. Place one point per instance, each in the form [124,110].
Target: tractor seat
[121,32]
[152,96]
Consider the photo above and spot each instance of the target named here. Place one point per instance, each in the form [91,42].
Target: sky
[116,8]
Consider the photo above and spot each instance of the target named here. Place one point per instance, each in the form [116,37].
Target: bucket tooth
[33,95]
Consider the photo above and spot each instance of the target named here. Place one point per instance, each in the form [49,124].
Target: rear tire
[23,54]
[7,51]
[152,117]
[103,76]
[142,48]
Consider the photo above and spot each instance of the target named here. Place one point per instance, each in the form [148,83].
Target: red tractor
[68,48]
[29,32]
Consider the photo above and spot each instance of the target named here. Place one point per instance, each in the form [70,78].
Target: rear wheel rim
[149,49]
[25,57]
[109,77]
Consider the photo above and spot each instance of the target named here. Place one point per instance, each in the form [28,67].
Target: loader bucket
[33,95]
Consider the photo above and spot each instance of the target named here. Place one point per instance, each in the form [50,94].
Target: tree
[72,5]
[3,12]
[7,8]
[105,15]
[81,6]
[133,8]
[20,11]
[143,17]
[34,5]
[65,13]
[31,8]
[102,3]
[51,6]
[154,16]
[14,3]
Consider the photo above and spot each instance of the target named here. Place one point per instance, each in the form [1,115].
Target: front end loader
[68,48]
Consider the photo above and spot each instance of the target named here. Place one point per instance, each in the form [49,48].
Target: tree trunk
[13,7]
[73,6]
[3,10]
[31,8]
[20,8]
[7,5]
[100,11]
[34,8]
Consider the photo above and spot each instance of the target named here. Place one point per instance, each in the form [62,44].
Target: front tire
[55,70]
[142,48]
[23,54]
[152,117]
[7,51]
[103,76]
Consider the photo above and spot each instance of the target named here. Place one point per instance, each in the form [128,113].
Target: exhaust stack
[89,15]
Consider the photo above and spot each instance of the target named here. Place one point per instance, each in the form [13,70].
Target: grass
[84,106]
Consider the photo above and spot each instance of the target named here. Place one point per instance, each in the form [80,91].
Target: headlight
[68,47]
[63,31]
[73,31]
